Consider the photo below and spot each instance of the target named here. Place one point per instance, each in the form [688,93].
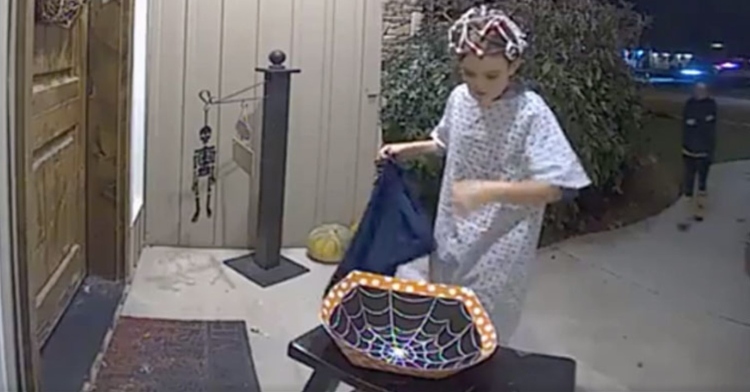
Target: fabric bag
[394,229]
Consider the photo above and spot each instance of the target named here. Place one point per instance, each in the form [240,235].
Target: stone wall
[397,20]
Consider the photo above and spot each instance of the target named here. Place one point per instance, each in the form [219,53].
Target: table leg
[321,382]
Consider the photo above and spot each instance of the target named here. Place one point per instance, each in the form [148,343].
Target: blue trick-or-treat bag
[394,229]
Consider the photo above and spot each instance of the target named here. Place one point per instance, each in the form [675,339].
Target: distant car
[733,73]
[695,71]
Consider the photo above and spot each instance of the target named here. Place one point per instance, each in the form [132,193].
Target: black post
[266,266]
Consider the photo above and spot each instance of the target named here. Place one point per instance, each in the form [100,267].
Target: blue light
[662,80]
[691,72]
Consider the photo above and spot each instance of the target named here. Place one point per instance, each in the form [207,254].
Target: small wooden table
[506,371]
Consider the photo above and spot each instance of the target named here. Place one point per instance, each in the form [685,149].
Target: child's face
[488,76]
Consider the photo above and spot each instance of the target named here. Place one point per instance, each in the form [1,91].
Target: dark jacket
[394,229]
[699,127]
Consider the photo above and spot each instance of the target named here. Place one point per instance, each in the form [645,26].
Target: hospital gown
[490,250]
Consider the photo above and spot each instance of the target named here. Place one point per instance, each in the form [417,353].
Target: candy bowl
[407,327]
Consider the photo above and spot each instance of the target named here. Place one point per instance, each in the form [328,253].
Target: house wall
[400,17]
[216,45]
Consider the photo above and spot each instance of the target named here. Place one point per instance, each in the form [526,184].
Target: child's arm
[424,147]
[470,195]
[409,150]
[553,168]
[523,192]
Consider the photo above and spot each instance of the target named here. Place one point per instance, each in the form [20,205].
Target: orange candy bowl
[407,327]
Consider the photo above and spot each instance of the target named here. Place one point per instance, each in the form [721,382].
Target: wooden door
[55,162]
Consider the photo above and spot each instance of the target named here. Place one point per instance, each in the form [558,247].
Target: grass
[664,140]
[663,130]
[655,185]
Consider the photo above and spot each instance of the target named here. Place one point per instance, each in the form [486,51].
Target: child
[698,144]
[506,158]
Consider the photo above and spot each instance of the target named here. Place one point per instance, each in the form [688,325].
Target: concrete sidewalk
[650,308]
[644,308]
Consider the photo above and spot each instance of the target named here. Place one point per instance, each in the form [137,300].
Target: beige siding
[216,45]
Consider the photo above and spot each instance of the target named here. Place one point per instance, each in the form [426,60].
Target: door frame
[27,364]
[10,379]
[27,352]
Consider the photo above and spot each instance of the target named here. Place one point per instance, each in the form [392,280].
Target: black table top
[506,371]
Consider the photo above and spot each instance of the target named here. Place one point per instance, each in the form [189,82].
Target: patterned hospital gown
[489,250]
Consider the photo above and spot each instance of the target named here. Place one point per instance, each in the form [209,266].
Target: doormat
[147,355]
[71,349]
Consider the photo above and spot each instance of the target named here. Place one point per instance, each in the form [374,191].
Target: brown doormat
[146,355]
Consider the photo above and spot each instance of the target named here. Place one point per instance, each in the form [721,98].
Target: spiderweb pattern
[63,13]
[407,330]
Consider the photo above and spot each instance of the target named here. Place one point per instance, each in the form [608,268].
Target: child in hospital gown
[506,159]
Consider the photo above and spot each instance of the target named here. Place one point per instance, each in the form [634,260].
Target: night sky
[692,25]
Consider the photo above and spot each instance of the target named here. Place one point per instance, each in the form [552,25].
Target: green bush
[574,62]
[417,80]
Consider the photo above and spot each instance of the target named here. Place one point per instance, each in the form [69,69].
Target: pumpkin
[327,243]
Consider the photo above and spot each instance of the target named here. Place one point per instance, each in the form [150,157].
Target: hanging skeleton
[204,158]
[204,165]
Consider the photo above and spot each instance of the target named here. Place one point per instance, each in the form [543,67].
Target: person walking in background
[698,145]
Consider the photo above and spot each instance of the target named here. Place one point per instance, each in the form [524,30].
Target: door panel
[55,193]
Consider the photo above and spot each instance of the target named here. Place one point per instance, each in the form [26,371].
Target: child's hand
[468,196]
[391,151]
[406,150]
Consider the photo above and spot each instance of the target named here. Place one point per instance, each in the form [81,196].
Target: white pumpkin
[327,243]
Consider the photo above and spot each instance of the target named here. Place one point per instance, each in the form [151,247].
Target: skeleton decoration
[204,165]
[204,158]
[478,24]
[63,13]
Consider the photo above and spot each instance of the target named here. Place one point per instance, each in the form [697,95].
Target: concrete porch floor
[645,308]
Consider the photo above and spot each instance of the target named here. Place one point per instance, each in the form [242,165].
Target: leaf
[546,67]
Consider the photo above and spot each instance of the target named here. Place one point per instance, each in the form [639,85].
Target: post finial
[277,58]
